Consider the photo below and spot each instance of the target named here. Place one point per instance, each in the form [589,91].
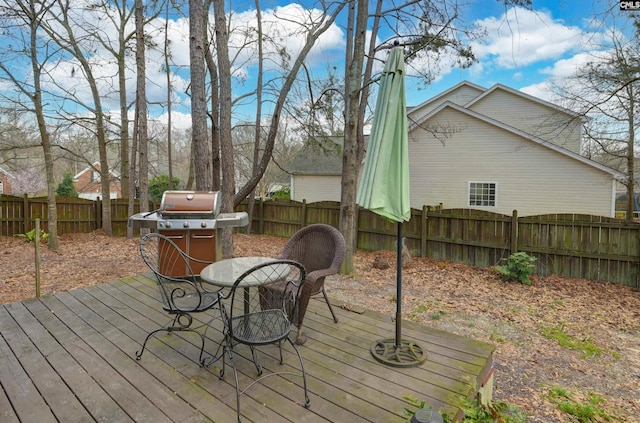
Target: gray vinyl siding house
[532,115]
[528,174]
[316,173]
[498,150]
[314,187]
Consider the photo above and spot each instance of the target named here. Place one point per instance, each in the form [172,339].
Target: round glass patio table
[224,273]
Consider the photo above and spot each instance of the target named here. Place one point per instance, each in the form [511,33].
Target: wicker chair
[181,291]
[320,248]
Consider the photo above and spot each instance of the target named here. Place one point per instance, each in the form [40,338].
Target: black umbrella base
[407,354]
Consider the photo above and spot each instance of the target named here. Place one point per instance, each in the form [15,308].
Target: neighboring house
[317,171]
[5,182]
[88,183]
[500,150]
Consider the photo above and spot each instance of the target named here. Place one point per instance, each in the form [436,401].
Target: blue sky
[530,49]
[523,49]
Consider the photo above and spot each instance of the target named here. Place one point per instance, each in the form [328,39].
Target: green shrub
[31,236]
[519,267]
[159,184]
[474,411]
[283,193]
[494,412]
[66,188]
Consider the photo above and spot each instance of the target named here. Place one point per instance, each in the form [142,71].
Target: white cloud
[179,120]
[543,90]
[285,29]
[565,68]
[285,25]
[521,37]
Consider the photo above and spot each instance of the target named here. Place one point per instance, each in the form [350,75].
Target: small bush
[474,410]
[66,188]
[159,184]
[283,193]
[519,267]
[31,236]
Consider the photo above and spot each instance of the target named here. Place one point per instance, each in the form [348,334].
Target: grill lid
[191,204]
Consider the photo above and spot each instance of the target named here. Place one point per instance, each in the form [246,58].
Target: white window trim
[495,197]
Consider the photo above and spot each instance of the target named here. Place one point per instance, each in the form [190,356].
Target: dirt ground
[464,300]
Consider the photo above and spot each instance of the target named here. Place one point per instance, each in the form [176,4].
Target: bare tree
[167,67]
[61,28]
[258,121]
[421,27]
[224,123]
[606,91]
[141,108]
[314,28]
[119,14]
[197,46]
[30,13]
[356,33]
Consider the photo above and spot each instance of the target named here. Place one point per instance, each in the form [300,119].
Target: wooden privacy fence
[75,215]
[572,245]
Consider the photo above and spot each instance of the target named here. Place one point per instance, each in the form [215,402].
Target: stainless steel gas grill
[192,219]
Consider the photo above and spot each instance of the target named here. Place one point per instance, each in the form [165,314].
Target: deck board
[70,358]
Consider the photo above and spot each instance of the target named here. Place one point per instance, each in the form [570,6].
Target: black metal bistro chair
[258,316]
[181,291]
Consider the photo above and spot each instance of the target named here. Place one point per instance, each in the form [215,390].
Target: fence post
[26,214]
[304,213]
[37,252]
[514,232]
[98,212]
[424,231]
[260,216]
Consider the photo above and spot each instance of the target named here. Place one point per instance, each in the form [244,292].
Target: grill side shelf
[143,220]
[237,219]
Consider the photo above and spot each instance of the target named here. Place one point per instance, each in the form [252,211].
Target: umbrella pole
[398,342]
[398,352]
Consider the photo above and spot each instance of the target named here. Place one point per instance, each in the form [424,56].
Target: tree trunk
[258,131]
[631,159]
[226,145]
[52,213]
[169,91]
[124,119]
[141,108]
[215,108]
[348,206]
[198,95]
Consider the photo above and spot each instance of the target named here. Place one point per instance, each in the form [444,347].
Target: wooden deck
[70,358]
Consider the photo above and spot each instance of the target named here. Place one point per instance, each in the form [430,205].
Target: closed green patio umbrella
[384,189]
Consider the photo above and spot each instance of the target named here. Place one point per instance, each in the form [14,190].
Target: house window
[95,176]
[482,194]
[1,188]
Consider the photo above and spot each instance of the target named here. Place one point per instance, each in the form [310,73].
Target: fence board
[11,215]
[593,247]
[475,237]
